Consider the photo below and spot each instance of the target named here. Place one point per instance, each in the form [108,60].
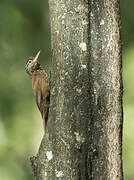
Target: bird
[40,85]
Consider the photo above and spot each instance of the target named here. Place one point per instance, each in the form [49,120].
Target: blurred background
[24,30]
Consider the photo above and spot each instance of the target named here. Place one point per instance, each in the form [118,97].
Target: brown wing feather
[41,93]
[37,91]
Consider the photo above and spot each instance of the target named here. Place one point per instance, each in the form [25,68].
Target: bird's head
[32,64]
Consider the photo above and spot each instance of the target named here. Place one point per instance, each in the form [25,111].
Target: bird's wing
[36,85]
[42,94]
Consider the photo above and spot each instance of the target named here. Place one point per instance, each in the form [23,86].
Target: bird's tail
[45,117]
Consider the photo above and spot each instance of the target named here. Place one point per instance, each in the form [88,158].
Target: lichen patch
[49,155]
[59,174]
[83,46]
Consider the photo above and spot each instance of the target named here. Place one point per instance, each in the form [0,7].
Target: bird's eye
[29,61]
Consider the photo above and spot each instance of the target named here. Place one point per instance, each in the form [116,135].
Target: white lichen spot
[59,174]
[83,46]
[72,114]
[63,17]
[92,31]
[84,22]
[45,173]
[57,32]
[63,22]
[79,138]
[96,89]
[79,8]
[110,39]
[91,14]
[96,85]
[66,73]
[102,22]
[49,155]
[83,66]
[78,90]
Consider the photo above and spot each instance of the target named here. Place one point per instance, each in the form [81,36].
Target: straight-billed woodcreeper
[40,85]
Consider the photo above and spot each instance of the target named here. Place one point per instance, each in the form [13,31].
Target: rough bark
[84,131]
[106,89]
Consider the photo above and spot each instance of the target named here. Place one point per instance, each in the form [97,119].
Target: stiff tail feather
[45,117]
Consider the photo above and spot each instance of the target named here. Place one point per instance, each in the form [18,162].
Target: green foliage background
[24,29]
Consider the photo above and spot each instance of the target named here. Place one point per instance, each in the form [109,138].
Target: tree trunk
[84,132]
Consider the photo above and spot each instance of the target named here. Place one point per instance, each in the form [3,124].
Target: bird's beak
[36,57]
